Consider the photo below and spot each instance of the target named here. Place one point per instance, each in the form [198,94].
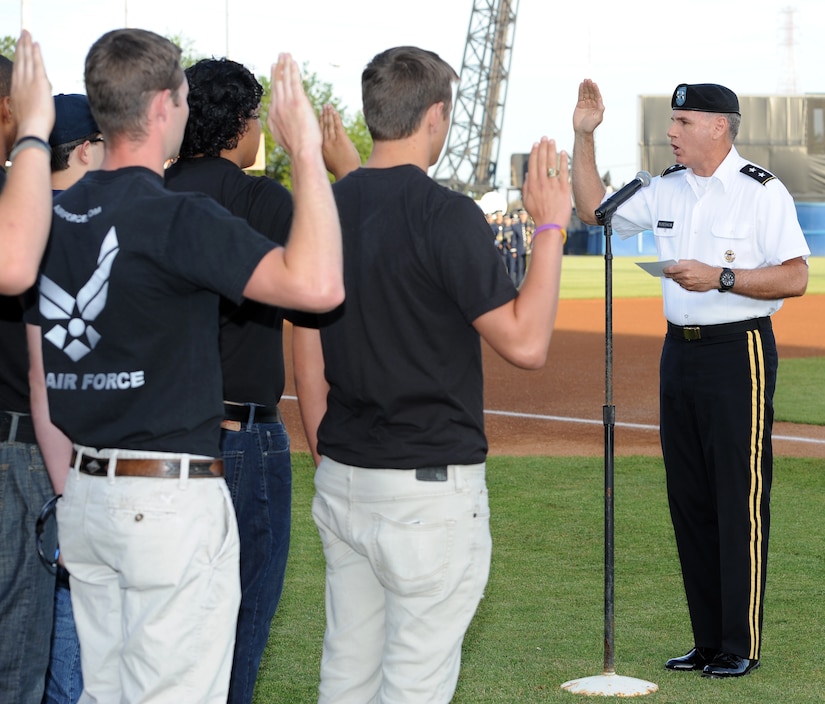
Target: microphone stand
[609,683]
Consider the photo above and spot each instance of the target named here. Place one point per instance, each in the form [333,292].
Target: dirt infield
[558,410]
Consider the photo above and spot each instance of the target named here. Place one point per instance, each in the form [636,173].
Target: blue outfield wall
[591,241]
[812,220]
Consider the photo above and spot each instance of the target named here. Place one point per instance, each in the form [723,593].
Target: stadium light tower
[470,160]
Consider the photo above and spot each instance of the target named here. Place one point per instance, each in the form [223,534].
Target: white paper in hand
[656,268]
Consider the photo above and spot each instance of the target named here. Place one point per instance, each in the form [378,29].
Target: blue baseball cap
[72,119]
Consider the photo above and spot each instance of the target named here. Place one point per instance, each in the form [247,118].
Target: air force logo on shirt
[75,334]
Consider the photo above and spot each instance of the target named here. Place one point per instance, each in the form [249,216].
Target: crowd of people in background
[513,238]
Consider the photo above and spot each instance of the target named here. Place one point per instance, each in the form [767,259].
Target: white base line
[585,421]
[634,426]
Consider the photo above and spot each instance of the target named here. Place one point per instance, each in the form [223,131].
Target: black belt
[706,332]
[63,577]
[251,413]
[164,469]
[16,427]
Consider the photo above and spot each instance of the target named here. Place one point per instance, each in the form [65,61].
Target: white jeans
[407,563]
[155,585]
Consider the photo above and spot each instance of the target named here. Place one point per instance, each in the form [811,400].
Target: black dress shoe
[729,665]
[696,659]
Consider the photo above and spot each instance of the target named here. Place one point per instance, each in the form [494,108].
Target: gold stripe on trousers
[757,371]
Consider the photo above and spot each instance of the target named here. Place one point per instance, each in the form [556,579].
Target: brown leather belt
[169,469]
[707,332]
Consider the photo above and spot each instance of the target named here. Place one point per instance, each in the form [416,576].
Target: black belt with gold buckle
[707,332]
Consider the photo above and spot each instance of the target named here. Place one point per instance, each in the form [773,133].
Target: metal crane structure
[470,160]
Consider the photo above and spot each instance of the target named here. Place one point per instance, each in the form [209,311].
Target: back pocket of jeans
[411,559]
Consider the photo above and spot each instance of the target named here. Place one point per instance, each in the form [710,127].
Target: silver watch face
[727,279]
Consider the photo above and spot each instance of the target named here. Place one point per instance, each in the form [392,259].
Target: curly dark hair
[223,95]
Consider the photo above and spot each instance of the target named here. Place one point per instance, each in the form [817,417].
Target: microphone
[606,209]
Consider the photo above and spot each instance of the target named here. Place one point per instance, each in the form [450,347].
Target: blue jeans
[26,583]
[259,475]
[64,681]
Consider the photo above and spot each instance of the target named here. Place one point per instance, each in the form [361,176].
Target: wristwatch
[726,280]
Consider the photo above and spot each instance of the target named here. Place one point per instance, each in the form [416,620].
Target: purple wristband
[548,226]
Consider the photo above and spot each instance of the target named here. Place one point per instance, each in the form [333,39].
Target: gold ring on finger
[551,172]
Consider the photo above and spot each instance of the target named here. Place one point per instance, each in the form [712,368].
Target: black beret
[72,119]
[704,97]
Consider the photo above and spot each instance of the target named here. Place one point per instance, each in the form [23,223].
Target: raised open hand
[589,109]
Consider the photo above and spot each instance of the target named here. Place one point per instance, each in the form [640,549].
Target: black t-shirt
[251,334]
[128,309]
[14,356]
[401,355]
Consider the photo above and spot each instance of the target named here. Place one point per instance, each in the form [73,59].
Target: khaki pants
[155,586]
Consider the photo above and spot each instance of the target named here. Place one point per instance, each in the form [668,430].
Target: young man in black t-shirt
[128,311]
[221,139]
[396,399]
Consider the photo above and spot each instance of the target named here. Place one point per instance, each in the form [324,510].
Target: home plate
[610,685]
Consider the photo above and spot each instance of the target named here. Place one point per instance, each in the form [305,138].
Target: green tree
[7,46]
[319,93]
[359,134]
[187,47]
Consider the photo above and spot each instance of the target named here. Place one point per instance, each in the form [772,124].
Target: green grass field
[541,621]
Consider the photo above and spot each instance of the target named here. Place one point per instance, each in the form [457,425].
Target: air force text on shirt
[102,381]
[77,217]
